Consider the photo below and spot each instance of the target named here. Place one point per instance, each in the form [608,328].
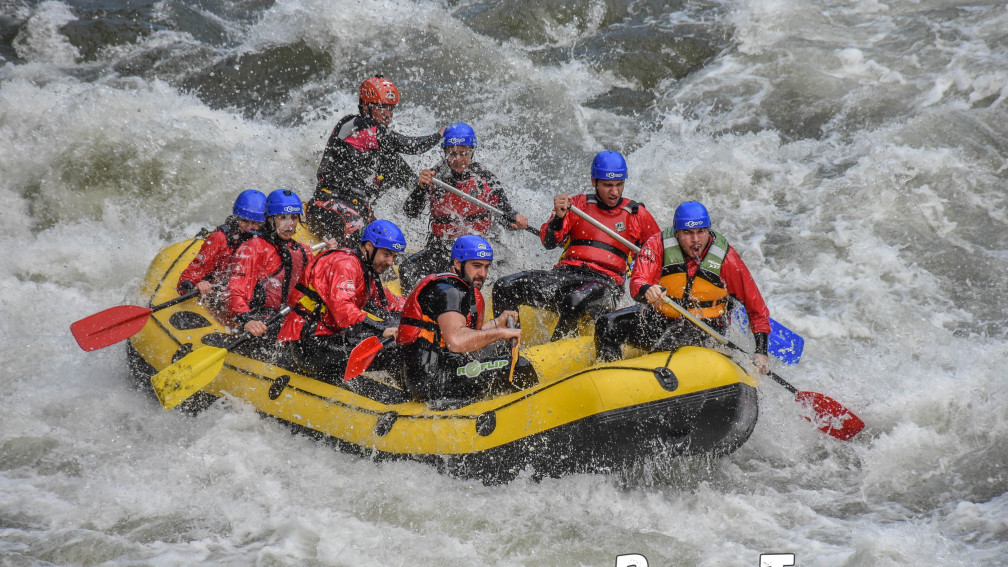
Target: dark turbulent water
[854,152]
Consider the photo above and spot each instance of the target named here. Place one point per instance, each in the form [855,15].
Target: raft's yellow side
[572,386]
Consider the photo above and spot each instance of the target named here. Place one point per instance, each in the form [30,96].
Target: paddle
[363,355]
[514,351]
[510,217]
[117,324]
[782,343]
[178,382]
[831,417]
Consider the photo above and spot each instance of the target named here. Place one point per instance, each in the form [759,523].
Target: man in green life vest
[698,269]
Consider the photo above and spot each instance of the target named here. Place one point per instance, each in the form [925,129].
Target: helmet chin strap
[370,256]
[461,273]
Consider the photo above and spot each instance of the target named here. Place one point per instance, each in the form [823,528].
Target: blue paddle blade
[783,343]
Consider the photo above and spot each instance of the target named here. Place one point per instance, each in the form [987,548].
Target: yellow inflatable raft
[581,417]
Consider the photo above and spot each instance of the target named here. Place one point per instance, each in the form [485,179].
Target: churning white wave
[853,152]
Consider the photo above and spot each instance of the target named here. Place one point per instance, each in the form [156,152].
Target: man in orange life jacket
[450,215]
[589,275]
[265,269]
[328,319]
[208,272]
[442,330]
[360,161]
[699,270]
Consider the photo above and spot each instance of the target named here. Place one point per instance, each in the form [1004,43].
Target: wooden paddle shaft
[480,203]
[469,198]
[633,247]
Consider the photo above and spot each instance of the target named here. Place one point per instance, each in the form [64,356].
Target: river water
[855,153]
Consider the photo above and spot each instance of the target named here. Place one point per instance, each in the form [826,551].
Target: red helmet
[378,90]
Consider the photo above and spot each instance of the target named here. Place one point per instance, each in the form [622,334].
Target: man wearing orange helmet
[361,159]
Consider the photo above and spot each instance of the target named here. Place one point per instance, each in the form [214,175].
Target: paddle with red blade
[831,417]
[363,355]
[783,343]
[117,324]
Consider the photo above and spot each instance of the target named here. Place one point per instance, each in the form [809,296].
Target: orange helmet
[378,90]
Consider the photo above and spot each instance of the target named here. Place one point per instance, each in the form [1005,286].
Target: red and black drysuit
[214,256]
[431,371]
[360,161]
[702,288]
[589,276]
[328,317]
[263,273]
[451,216]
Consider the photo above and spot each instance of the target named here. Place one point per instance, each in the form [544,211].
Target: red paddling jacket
[332,294]
[214,256]
[585,245]
[262,276]
[452,216]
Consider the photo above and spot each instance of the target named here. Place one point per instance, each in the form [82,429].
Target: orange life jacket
[704,295]
[414,324]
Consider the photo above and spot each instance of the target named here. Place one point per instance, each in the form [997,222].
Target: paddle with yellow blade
[831,417]
[178,382]
[118,323]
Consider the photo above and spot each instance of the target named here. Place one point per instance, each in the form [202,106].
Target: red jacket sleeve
[554,231]
[214,254]
[338,283]
[739,283]
[647,266]
[244,277]
[644,227]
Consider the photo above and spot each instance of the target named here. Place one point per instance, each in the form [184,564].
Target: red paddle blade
[109,326]
[830,416]
[361,357]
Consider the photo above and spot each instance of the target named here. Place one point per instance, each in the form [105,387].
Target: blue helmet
[609,165]
[283,202]
[471,247]
[384,234]
[690,214]
[250,205]
[459,134]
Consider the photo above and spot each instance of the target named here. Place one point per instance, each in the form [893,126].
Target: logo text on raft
[475,368]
